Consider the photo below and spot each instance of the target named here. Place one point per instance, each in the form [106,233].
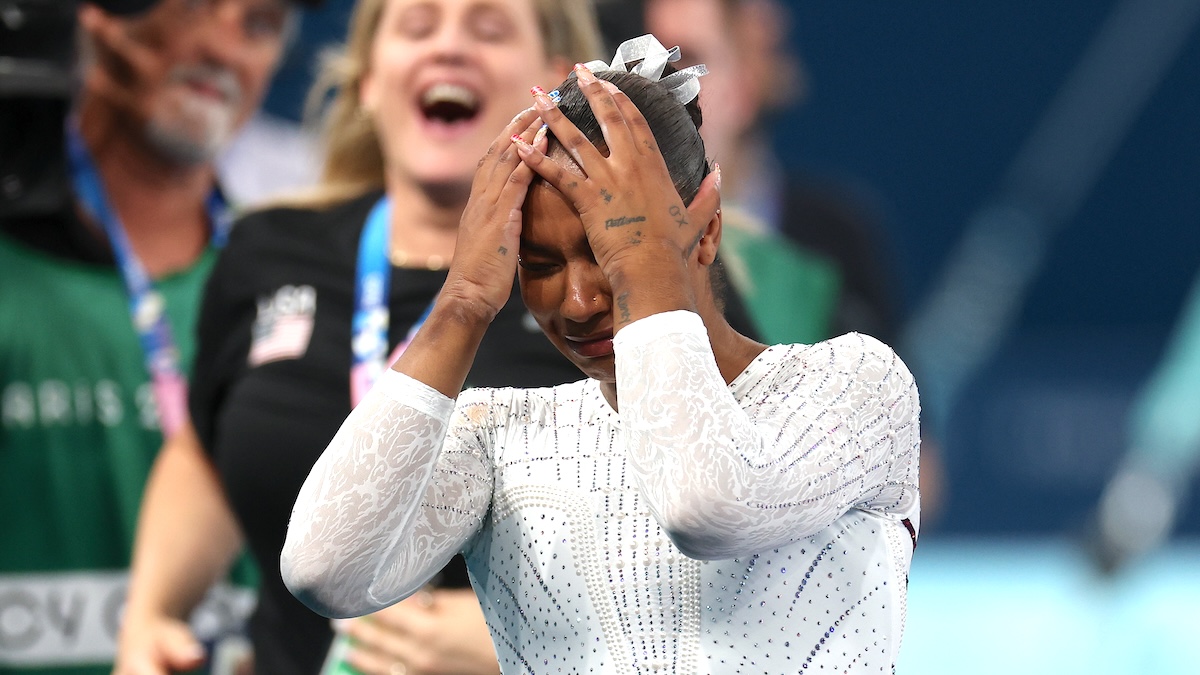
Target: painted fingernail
[516,138]
[717,170]
[555,96]
[540,135]
[541,100]
[584,75]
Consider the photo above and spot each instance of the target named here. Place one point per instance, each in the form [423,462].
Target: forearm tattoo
[623,307]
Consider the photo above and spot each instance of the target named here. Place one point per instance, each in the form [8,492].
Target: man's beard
[188,127]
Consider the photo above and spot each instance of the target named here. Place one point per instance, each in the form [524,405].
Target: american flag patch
[283,326]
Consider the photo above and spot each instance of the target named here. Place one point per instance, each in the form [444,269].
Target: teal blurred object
[790,292]
[1166,417]
[1141,503]
[1036,606]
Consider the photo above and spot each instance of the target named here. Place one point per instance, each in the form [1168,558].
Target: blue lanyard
[373,277]
[147,308]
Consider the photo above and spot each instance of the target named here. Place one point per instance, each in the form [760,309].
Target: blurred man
[97,303]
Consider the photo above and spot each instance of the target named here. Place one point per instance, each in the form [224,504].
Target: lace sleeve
[389,502]
[834,428]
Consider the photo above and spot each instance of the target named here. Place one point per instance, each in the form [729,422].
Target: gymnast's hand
[485,254]
[631,211]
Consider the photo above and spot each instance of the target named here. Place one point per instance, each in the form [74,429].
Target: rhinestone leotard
[764,526]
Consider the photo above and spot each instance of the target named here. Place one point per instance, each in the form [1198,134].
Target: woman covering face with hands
[743,507]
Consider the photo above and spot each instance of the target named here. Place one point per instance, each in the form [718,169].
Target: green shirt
[78,434]
[791,294]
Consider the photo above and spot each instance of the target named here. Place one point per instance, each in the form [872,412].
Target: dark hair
[676,127]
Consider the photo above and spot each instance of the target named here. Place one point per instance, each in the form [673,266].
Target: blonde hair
[354,161]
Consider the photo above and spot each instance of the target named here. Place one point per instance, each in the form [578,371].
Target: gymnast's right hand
[489,233]
[157,646]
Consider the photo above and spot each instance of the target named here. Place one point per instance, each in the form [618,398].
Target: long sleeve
[833,427]
[391,500]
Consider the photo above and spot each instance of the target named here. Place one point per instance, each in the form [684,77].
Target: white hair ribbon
[654,57]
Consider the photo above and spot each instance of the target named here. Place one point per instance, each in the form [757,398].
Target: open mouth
[207,90]
[449,104]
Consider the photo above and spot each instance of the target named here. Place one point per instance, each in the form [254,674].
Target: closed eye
[535,258]
[536,266]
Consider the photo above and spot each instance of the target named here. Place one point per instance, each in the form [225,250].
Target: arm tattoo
[622,221]
[503,250]
[679,215]
[623,307]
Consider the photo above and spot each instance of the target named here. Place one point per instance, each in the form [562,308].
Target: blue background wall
[923,106]
[926,104]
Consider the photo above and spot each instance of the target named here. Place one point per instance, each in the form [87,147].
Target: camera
[37,79]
